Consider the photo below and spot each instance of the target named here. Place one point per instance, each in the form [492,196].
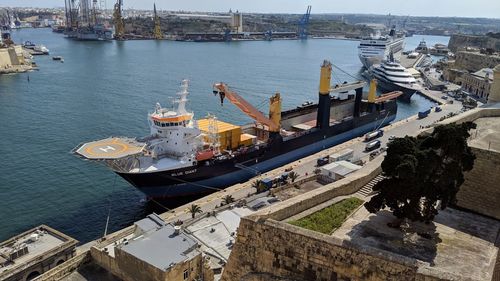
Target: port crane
[304,24]
[118,20]
[273,122]
[157,30]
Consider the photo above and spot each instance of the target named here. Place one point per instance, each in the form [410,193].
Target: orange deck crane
[273,122]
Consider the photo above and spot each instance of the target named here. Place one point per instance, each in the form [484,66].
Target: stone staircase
[368,188]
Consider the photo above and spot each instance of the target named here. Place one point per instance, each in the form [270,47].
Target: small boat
[59,58]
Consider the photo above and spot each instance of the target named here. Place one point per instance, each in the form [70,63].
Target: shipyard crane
[273,122]
[304,24]
[157,29]
[118,20]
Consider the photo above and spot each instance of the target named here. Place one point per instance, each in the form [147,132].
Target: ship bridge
[109,149]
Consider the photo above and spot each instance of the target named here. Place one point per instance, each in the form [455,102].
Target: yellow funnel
[275,109]
[372,94]
[324,79]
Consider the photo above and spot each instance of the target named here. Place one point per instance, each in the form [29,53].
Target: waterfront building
[478,83]
[31,253]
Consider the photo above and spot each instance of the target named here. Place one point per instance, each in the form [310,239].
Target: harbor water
[107,88]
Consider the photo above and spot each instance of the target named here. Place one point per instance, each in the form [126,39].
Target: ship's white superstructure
[175,138]
[376,48]
[392,76]
[393,72]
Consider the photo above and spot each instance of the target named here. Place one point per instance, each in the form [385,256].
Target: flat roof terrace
[30,247]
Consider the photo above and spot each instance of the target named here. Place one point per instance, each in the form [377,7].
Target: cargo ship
[184,156]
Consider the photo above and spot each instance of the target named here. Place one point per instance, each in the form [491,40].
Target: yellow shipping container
[229,134]
[247,139]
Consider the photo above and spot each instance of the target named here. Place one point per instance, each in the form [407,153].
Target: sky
[443,8]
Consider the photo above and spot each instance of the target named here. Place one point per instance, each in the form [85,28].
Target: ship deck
[110,148]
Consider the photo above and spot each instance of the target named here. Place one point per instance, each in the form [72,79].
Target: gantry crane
[304,24]
[157,30]
[118,20]
[273,122]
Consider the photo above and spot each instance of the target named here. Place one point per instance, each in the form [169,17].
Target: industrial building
[336,171]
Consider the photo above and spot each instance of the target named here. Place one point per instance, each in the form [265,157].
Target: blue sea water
[107,88]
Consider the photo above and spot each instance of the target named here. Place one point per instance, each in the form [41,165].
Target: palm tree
[293,176]
[194,209]
[259,185]
[228,199]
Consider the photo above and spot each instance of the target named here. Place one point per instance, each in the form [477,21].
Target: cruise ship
[376,48]
[185,156]
[392,76]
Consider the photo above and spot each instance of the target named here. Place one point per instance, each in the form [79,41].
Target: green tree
[228,199]
[194,209]
[293,176]
[259,185]
[423,174]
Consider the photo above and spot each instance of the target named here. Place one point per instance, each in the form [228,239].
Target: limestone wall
[472,61]
[134,269]
[4,58]
[269,250]
[458,41]
[481,190]
[66,268]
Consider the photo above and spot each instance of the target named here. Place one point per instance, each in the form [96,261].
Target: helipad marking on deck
[114,146]
[105,149]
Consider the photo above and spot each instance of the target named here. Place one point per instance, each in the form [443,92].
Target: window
[186,274]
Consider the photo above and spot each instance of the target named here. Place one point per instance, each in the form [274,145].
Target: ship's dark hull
[205,177]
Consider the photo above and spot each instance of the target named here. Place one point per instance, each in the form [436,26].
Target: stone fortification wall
[458,41]
[63,270]
[5,58]
[269,250]
[481,190]
[473,61]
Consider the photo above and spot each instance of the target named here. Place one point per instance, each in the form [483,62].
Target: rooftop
[34,243]
[461,245]
[487,134]
[217,233]
[342,168]
[157,244]
[482,73]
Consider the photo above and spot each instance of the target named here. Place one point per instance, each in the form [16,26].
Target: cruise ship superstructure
[392,76]
[376,48]
[184,156]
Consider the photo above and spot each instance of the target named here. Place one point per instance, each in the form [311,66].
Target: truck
[423,114]
[322,161]
[372,145]
[373,135]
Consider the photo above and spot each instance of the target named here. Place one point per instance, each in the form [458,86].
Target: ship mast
[181,108]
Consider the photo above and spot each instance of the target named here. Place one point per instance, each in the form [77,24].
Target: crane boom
[224,92]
